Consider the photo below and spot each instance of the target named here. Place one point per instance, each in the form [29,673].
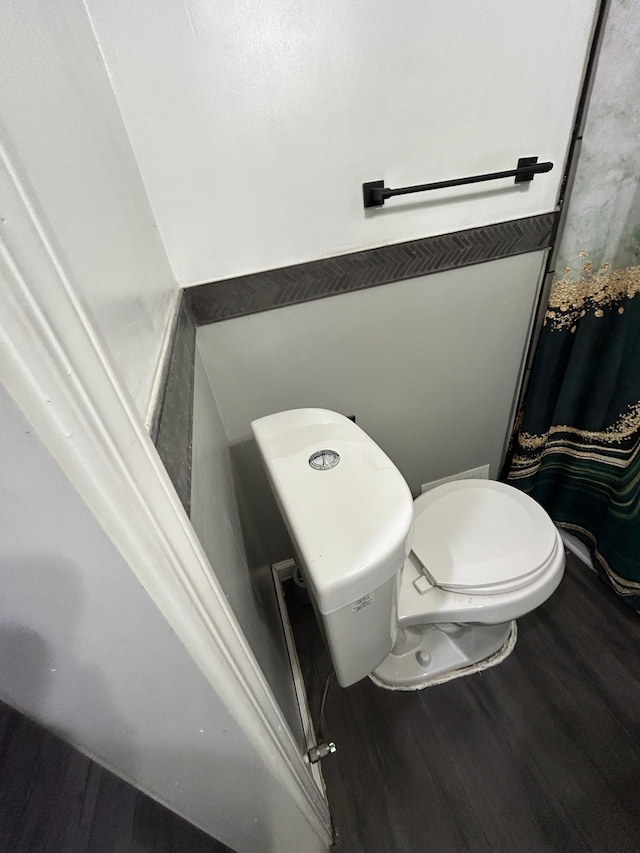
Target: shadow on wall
[265,535]
[51,639]
[45,672]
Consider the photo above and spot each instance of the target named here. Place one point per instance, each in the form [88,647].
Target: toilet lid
[479,536]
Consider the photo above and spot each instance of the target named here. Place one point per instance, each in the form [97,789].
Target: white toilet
[411,593]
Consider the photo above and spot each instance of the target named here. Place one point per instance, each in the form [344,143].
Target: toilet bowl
[483,554]
[408,592]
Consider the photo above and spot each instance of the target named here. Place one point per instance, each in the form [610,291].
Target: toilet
[410,593]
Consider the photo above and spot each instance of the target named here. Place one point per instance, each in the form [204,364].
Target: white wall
[84,651]
[429,366]
[255,122]
[243,570]
[61,123]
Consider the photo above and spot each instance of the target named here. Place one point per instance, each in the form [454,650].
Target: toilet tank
[349,513]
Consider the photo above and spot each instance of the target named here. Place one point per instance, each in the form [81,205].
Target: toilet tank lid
[348,509]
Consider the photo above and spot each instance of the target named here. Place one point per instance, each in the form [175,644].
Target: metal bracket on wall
[375,193]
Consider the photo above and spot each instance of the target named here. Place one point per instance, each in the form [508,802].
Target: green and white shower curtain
[577,450]
[577,447]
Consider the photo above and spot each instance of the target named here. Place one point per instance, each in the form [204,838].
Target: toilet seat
[480,537]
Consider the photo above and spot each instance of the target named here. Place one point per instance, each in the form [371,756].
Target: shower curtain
[576,448]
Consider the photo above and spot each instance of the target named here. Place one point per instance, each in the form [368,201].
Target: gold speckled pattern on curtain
[577,448]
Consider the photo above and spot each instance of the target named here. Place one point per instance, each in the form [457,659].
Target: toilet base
[432,654]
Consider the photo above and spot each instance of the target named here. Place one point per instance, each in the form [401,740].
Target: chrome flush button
[324,460]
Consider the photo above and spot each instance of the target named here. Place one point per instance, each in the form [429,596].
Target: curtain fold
[577,448]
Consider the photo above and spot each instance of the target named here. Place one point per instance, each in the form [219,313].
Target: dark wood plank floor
[53,799]
[541,753]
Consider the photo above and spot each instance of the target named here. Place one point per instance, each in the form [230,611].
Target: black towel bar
[375,193]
